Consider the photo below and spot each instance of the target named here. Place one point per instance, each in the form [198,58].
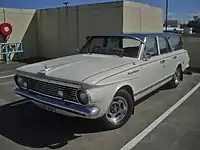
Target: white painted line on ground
[154,124]
[11,75]
[5,83]
[12,70]
[19,103]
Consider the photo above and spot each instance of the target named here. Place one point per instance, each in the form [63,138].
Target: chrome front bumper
[60,106]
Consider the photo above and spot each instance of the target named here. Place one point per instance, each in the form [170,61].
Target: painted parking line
[1,72]
[11,75]
[154,124]
[6,83]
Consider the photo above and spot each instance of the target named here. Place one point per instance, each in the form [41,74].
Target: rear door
[180,53]
[168,59]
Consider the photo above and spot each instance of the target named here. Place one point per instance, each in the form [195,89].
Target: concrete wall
[56,32]
[62,30]
[99,19]
[192,44]
[138,17]
[24,28]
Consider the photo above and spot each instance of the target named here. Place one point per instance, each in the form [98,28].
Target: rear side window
[176,42]
[164,45]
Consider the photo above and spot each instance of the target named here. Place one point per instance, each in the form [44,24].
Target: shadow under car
[28,125]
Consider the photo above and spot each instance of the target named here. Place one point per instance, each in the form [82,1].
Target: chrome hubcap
[117,110]
[177,76]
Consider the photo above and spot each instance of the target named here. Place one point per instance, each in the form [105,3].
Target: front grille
[51,89]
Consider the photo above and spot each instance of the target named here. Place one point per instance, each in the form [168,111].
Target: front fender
[102,96]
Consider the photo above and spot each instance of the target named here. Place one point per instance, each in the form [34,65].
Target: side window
[151,46]
[176,42]
[164,45]
[131,47]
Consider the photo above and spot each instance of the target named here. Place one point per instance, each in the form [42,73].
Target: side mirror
[147,56]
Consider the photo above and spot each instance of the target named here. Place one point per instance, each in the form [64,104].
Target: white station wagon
[106,77]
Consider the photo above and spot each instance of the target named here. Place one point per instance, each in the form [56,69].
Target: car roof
[140,36]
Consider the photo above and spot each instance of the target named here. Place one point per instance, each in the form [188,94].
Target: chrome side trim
[76,109]
[108,70]
[150,86]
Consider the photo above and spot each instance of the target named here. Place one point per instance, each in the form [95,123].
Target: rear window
[176,42]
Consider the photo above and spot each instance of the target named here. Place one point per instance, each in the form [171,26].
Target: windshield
[120,46]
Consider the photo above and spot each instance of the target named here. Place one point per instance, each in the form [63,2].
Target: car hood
[76,68]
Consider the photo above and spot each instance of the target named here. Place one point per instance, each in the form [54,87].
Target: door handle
[174,57]
[162,61]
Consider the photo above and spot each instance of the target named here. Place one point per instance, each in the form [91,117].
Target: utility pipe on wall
[4,15]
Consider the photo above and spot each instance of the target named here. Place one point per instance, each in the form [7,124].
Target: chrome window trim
[142,49]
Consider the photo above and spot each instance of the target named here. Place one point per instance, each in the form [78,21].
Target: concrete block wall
[62,30]
[24,26]
[56,32]
[138,17]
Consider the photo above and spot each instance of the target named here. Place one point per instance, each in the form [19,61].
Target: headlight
[18,80]
[82,97]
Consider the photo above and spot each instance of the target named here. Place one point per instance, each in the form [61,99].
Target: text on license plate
[47,107]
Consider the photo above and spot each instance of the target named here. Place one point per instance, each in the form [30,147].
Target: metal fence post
[6,54]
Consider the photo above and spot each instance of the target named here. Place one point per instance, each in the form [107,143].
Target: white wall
[139,17]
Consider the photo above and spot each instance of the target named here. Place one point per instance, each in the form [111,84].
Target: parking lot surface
[24,126]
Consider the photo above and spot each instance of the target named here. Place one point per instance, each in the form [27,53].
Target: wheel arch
[129,89]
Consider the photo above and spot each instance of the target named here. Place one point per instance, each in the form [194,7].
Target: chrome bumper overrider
[88,112]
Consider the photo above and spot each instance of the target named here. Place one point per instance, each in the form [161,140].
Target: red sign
[6,29]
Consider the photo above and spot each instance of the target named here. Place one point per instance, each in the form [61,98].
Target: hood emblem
[46,68]
[42,73]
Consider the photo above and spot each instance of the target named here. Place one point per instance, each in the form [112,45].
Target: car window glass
[121,46]
[98,42]
[151,46]
[176,42]
[164,45]
[131,47]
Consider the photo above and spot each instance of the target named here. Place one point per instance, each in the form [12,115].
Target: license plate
[47,107]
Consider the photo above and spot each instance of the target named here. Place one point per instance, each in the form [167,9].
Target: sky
[178,9]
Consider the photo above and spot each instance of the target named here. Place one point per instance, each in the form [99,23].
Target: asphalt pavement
[24,126]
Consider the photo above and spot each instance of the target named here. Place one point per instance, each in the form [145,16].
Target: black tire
[130,105]
[176,78]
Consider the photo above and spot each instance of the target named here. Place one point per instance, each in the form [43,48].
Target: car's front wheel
[119,111]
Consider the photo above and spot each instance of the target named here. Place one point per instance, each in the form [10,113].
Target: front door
[151,69]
